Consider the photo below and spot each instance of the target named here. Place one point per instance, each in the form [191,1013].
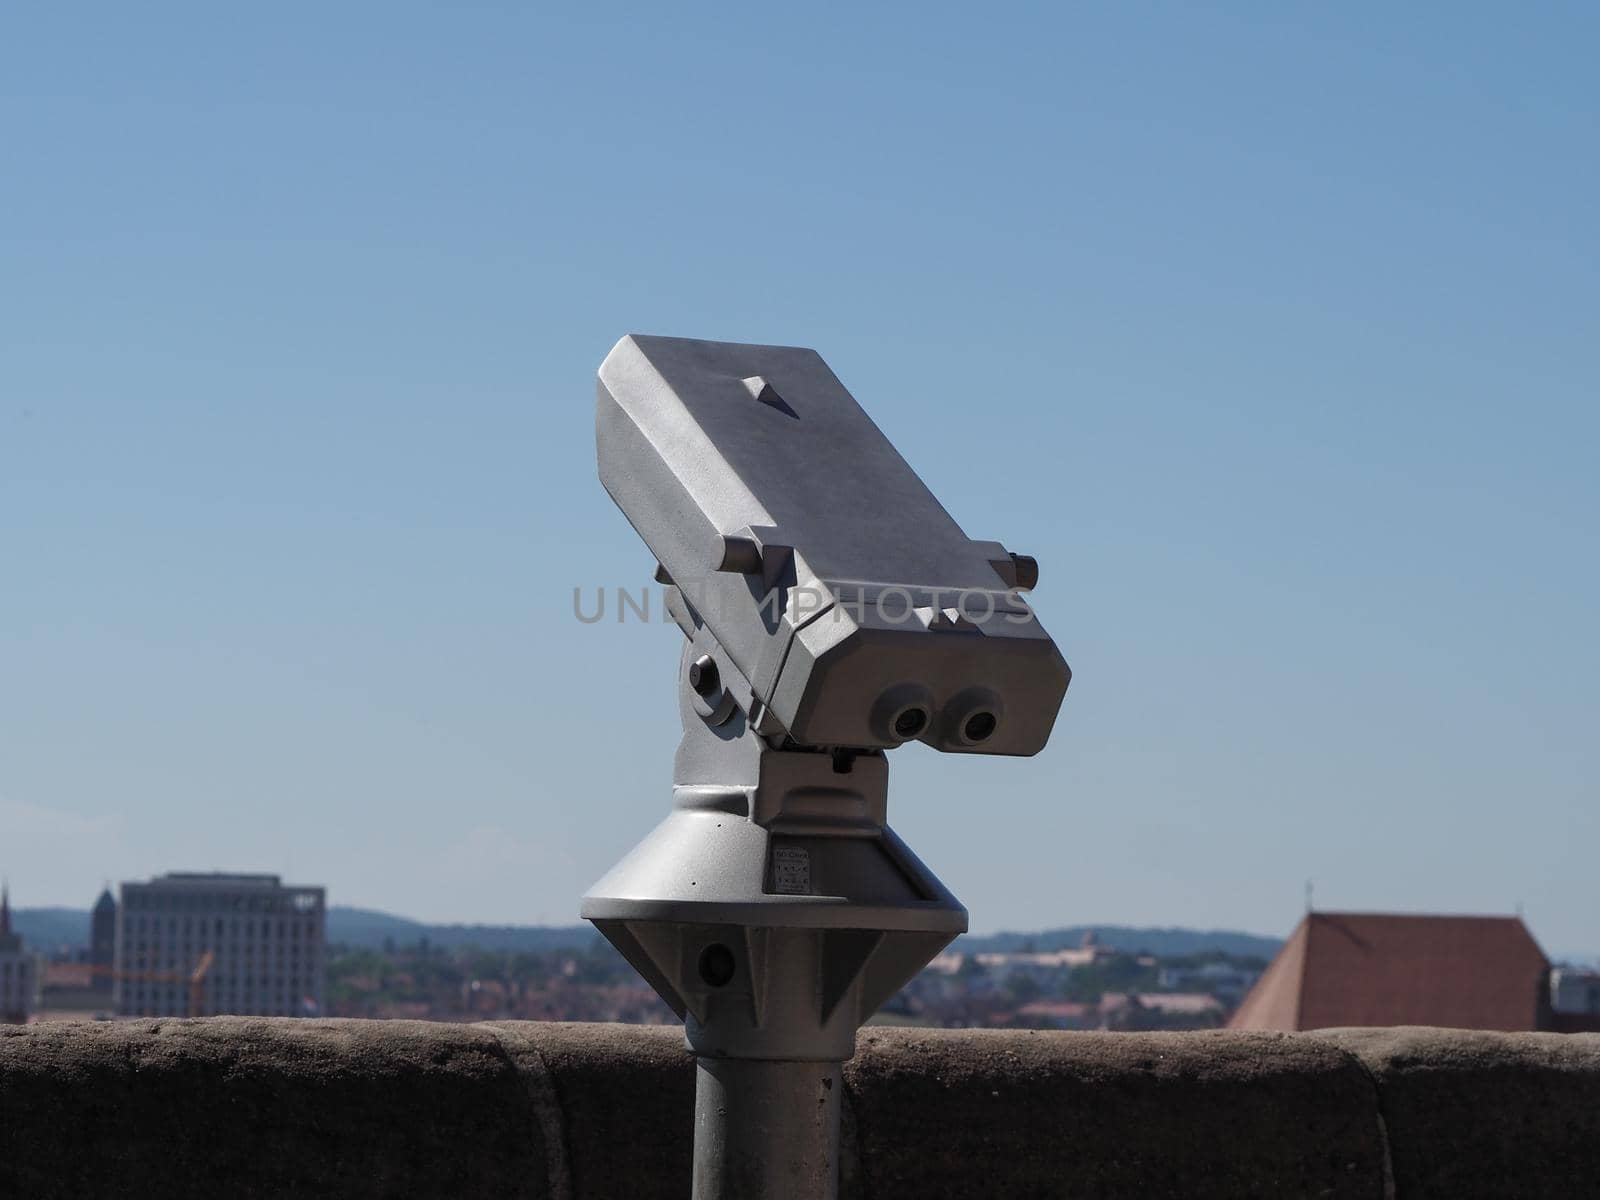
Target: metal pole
[766,1130]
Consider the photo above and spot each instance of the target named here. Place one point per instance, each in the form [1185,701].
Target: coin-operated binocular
[833,610]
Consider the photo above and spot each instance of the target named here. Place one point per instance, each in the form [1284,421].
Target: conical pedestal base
[774,914]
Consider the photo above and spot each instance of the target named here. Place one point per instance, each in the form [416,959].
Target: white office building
[193,944]
[1574,990]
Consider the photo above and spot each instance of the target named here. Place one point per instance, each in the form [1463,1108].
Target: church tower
[103,940]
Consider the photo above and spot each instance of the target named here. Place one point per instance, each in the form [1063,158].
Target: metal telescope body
[833,610]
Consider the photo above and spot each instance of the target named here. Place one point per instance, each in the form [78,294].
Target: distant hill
[52,929]
[369,929]
[1163,941]
[56,928]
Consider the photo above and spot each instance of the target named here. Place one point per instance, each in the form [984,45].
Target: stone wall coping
[248,1107]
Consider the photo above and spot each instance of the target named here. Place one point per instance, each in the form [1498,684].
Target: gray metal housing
[841,592]
[783,858]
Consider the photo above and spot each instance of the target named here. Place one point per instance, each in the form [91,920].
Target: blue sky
[1272,331]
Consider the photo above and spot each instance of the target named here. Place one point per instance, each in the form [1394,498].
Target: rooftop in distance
[231,878]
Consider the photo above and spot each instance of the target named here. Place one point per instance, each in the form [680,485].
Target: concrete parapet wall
[243,1107]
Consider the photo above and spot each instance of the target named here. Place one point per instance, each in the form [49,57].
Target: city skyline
[1049,929]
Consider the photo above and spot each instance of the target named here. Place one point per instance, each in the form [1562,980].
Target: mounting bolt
[1027,572]
[703,677]
[740,555]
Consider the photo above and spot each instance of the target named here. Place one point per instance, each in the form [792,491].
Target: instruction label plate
[791,870]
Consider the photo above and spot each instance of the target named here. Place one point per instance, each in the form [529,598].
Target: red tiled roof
[1382,969]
